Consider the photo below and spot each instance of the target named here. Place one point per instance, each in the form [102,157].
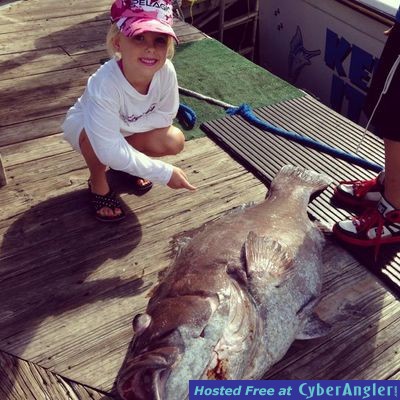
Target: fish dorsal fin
[292,176]
[267,258]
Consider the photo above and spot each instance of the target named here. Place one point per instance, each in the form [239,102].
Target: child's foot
[360,194]
[141,184]
[376,226]
[107,207]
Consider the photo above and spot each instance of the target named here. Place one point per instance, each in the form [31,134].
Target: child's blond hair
[112,51]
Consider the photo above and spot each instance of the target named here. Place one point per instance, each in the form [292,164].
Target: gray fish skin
[236,297]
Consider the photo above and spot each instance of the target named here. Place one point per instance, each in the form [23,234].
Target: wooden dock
[69,285]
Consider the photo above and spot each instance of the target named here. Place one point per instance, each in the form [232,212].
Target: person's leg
[364,193]
[392,172]
[98,180]
[379,224]
[158,142]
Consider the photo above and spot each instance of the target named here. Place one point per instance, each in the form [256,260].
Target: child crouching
[125,114]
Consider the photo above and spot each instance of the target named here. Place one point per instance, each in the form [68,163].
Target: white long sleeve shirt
[110,109]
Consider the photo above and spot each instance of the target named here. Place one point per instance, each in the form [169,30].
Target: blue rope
[246,112]
[186,116]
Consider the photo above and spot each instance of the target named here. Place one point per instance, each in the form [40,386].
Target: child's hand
[179,180]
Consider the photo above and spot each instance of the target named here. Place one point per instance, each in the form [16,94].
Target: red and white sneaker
[376,226]
[360,194]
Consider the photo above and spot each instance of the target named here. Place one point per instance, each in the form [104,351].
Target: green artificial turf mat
[212,69]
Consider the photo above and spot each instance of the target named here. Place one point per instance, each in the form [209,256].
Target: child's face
[146,53]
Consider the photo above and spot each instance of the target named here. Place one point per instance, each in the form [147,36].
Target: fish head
[161,339]
[145,375]
[189,337]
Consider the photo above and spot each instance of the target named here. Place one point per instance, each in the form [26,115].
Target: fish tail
[291,176]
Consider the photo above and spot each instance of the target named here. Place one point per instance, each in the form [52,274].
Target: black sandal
[134,182]
[143,187]
[109,200]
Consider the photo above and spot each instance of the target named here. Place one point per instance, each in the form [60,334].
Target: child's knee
[179,141]
[175,141]
[159,142]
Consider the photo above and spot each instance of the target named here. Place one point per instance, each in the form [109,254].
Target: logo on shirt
[133,118]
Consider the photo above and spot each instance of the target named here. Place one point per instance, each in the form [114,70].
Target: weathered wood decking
[69,285]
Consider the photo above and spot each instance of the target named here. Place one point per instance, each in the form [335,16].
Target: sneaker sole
[363,243]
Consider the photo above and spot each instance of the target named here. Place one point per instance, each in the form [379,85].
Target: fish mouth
[144,377]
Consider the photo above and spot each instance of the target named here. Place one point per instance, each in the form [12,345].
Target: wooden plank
[34,62]
[361,313]
[190,38]
[68,326]
[84,392]
[25,176]
[41,96]
[63,32]
[386,353]
[34,150]
[396,376]
[22,12]
[87,53]
[25,380]
[358,346]
[91,36]
[27,130]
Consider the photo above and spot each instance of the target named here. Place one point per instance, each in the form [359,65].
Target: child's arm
[101,123]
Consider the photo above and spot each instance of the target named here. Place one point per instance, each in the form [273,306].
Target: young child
[125,114]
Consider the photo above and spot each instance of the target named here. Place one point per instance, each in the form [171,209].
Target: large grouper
[237,295]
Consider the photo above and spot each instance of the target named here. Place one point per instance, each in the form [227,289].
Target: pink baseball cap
[134,17]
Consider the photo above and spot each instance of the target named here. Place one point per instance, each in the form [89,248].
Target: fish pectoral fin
[306,309]
[267,257]
[313,327]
